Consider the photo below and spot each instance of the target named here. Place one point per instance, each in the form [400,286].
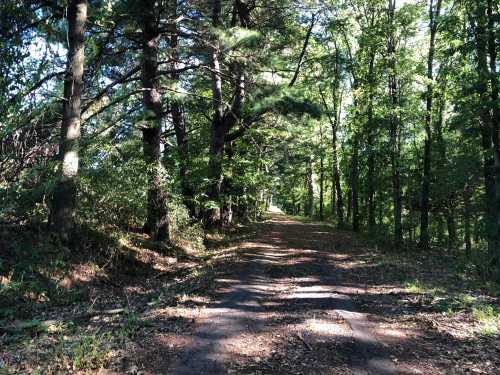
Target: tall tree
[395,138]
[62,217]
[370,179]
[177,113]
[157,223]
[484,35]
[434,13]
[223,118]
[321,175]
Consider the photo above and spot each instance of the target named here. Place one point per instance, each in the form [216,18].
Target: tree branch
[303,52]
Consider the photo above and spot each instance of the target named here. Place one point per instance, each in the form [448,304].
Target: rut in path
[285,296]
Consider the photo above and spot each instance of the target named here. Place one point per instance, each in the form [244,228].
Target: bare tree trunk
[321,177]
[349,206]
[467,221]
[218,130]
[223,120]
[321,188]
[62,217]
[337,198]
[426,177]
[308,184]
[178,122]
[394,129]
[380,207]
[336,172]
[452,229]
[355,183]
[157,222]
[495,119]
[370,180]
[489,127]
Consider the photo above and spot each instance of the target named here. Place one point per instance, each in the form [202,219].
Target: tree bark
[426,177]
[157,222]
[337,198]
[303,51]
[349,206]
[467,221]
[489,128]
[337,108]
[321,178]
[178,122]
[223,119]
[308,184]
[394,129]
[355,183]
[495,120]
[452,229]
[370,180]
[62,217]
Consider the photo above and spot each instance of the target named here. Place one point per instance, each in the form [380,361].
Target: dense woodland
[378,115]
[148,146]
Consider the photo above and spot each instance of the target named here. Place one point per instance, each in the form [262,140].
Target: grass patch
[90,352]
[488,317]
[484,313]
[132,324]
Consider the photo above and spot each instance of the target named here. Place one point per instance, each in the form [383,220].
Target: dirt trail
[285,308]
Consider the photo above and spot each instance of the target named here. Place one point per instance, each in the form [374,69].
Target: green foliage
[114,191]
[132,323]
[282,149]
[90,352]
[488,317]
[182,227]
[238,37]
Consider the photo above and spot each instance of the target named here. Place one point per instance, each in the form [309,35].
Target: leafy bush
[182,226]
[113,192]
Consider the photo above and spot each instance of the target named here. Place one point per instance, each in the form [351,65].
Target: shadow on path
[285,292]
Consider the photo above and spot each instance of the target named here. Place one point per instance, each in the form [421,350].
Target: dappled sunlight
[326,328]
[286,295]
[293,300]
[295,306]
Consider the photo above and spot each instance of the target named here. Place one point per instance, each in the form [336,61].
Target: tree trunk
[223,119]
[349,206]
[394,130]
[380,208]
[467,221]
[308,185]
[337,110]
[183,151]
[62,217]
[321,188]
[178,122]
[157,222]
[370,180]
[337,199]
[495,119]
[452,229]
[355,183]
[218,131]
[426,177]
[321,177]
[489,128]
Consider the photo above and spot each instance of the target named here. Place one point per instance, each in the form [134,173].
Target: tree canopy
[377,115]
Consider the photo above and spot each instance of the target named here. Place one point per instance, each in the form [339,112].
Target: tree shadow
[252,315]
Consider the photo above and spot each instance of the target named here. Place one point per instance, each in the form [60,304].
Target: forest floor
[282,297]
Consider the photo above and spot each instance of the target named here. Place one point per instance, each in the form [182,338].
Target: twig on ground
[308,346]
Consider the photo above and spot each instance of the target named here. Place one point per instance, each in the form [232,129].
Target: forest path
[286,308]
